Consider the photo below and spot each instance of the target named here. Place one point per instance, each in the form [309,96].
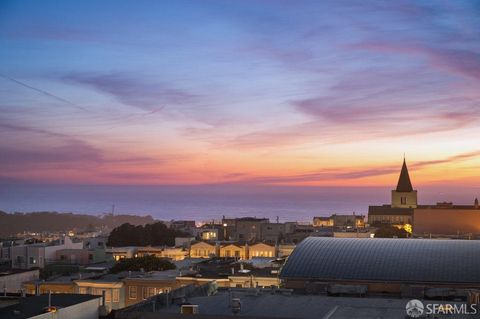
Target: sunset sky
[253,92]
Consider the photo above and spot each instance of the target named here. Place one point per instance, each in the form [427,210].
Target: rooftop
[252,219]
[10,272]
[33,306]
[404,183]
[386,260]
[389,210]
[293,306]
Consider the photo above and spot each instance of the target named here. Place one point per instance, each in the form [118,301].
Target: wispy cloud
[135,91]
[457,61]
[347,173]
[70,151]
[52,149]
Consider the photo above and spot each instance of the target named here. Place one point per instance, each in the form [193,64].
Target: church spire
[404,183]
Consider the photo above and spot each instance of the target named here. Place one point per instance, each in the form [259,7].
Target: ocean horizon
[207,202]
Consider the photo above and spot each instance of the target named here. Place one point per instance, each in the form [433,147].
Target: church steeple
[404,184]
[404,196]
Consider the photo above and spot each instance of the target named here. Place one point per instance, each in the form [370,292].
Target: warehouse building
[407,267]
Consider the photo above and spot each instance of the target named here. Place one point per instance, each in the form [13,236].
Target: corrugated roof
[406,260]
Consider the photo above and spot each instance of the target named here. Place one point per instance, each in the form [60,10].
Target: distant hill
[11,224]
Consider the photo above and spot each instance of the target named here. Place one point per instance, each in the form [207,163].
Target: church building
[404,201]
[442,219]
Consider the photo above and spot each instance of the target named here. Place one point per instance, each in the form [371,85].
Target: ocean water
[207,202]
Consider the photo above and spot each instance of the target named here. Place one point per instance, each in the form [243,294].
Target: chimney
[476,203]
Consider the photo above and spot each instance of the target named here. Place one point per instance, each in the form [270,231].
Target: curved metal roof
[406,260]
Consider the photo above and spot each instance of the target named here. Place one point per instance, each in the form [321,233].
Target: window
[108,295]
[82,290]
[33,260]
[403,200]
[132,292]
[145,293]
[99,292]
[90,257]
[151,291]
[237,253]
[116,295]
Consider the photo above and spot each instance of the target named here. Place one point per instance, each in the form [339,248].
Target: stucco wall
[446,221]
[14,282]
[84,310]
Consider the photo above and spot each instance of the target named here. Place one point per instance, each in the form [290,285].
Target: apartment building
[40,254]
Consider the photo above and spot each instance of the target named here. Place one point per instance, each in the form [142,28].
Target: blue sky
[182,92]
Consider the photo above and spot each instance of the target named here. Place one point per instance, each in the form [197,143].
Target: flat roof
[10,272]
[266,305]
[33,306]
[389,210]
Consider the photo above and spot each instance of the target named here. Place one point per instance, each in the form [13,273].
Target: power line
[44,92]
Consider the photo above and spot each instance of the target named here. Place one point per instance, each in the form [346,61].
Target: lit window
[108,295]
[116,295]
[151,291]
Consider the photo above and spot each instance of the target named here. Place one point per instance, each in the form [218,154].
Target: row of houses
[120,290]
[239,251]
[204,249]
[128,288]
[252,229]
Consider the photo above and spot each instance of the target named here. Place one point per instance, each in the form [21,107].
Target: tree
[389,231]
[156,234]
[147,263]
